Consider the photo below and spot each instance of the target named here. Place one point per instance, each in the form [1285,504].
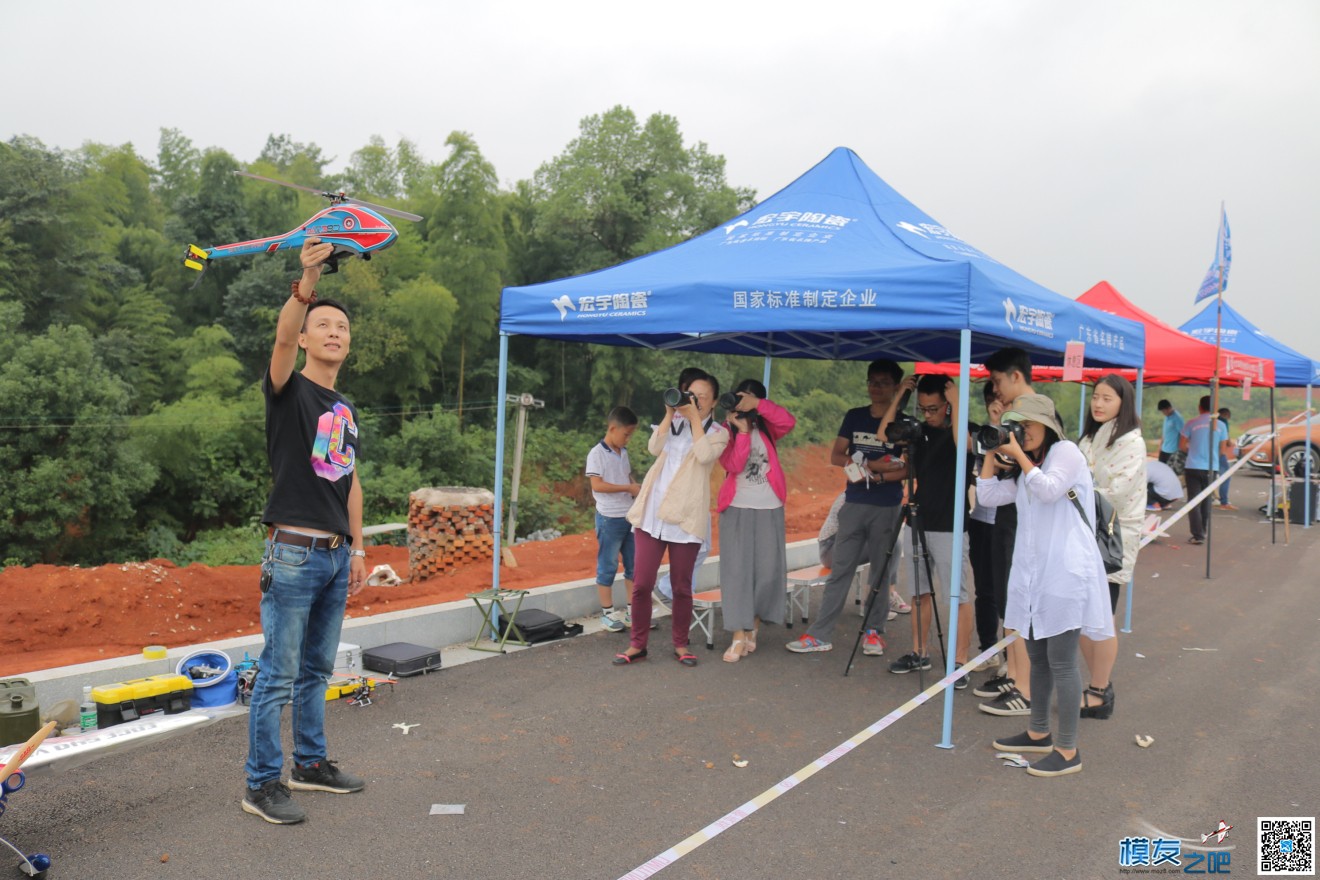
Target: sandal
[687,658]
[1101,710]
[737,650]
[626,659]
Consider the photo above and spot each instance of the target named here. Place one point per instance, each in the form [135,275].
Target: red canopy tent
[1172,357]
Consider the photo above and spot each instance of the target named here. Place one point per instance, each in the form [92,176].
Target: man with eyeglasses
[934,454]
[869,516]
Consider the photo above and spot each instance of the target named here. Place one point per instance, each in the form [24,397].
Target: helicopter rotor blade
[340,197]
[393,212]
[312,190]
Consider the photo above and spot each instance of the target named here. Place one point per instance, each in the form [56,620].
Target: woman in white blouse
[1116,453]
[671,514]
[1057,586]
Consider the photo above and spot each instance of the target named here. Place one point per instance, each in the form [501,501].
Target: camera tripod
[911,517]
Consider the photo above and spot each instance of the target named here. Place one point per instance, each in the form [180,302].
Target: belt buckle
[335,540]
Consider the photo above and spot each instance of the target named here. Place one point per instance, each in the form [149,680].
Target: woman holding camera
[1116,453]
[753,556]
[671,513]
[1057,586]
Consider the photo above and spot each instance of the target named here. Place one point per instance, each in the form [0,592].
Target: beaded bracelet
[295,289]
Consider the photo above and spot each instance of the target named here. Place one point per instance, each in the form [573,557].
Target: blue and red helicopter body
[354,227]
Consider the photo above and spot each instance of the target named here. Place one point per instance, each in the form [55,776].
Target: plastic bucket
[220,689]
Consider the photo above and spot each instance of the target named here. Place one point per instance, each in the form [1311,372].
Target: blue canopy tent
[837,266]
[1292,369]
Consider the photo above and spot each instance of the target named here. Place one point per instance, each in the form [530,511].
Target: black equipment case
[401,659]
[537,626]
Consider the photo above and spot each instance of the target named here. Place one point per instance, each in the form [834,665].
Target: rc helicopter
[356,229]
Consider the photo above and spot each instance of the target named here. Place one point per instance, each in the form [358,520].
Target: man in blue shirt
[1203,449]
[1173,425]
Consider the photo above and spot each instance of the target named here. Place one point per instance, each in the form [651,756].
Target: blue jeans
[614,538]
[1223,487]
[301,616]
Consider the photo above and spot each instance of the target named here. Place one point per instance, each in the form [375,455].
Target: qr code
[1286,846]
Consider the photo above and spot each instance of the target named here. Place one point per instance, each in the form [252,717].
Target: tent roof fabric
[1173,357]
[837,265]
[1291,368]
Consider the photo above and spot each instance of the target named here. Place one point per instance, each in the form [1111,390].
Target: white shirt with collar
[1058,581]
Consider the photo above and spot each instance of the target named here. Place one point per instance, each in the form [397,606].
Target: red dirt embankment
[57,615]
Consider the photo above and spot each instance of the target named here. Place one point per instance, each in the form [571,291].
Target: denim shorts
[615,539]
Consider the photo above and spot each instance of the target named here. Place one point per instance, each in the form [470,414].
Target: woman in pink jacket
[753,561]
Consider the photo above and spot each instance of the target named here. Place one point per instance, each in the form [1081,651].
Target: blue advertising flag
[1223,259]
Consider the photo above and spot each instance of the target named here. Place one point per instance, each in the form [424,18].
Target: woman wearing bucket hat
[1057,589]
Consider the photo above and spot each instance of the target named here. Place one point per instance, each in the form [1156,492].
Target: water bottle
[87,711]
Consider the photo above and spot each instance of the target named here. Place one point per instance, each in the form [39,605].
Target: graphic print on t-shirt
[870,445]
[758,465]
[332,457]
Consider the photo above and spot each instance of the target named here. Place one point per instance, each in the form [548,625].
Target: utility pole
[524,402]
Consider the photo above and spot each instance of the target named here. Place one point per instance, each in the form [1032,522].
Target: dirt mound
[57,616]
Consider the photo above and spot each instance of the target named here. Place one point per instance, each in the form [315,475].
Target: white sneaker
[896,603]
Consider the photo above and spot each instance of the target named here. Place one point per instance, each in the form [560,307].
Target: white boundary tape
[733,817]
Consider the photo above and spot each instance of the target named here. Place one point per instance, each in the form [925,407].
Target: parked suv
[1292,440]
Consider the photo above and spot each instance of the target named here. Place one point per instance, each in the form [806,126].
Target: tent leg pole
[1132,584]
[499,459]
[959,524]
[1307,513]
[765,375]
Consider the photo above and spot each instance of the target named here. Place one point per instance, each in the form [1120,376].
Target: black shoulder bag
[1107,535]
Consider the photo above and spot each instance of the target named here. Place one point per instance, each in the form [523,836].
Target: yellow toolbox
[130,700]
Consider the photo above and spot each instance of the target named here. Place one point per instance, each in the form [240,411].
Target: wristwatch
[362,553]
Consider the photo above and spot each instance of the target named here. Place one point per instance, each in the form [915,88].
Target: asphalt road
[571,768]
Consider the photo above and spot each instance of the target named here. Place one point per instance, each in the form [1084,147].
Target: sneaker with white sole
[896,603]
[273,803]
[960,684]
[909,662]
[993,687]
[1008,703]
[612,621]
[324,776]
[1055,764]
[808,645]
[873,644]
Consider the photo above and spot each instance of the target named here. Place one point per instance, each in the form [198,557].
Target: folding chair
[704,605]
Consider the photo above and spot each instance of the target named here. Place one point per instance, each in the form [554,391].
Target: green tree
[74,483]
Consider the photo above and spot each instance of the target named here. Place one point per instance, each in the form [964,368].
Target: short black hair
[887,367]
[933,383]
[694,374]
[752,386]
[988,393]
[320,303]
[1164,404]
[1204,403]
[621,416]
[1226,412]
[1006,360]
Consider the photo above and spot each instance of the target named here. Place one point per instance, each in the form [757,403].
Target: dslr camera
[903,430]
[675,398]
[994,436]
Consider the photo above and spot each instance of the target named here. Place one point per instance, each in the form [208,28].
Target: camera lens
[728,400]
[673,397]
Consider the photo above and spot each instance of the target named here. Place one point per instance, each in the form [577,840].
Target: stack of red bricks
[448,527]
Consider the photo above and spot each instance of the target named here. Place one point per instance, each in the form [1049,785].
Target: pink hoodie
[778,422]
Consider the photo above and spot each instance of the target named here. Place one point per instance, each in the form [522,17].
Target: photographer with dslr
[672,511]
[1057,589]
[753,556]
[870,514]
[933,452]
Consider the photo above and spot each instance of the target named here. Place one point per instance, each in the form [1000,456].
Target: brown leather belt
[298,539]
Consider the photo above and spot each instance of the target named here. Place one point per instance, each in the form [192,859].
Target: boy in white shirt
[613,487]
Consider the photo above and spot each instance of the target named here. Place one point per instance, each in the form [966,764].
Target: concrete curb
[450,624]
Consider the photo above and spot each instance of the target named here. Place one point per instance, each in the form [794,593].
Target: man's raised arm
[285,353]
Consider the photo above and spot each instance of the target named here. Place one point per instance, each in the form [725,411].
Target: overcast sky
[1072,141]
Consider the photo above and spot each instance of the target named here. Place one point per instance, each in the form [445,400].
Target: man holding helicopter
[314,558]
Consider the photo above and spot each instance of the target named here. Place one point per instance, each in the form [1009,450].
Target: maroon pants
[682,560]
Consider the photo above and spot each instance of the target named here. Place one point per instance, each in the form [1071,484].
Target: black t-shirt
[859,428]
[936,458]
[312,443]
